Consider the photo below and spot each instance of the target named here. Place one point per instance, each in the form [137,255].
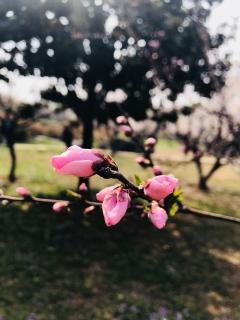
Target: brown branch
[135,138]
[216,165]
[184,209]
[210,215]
[45,200]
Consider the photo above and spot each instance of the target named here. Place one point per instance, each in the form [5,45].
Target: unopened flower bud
[126,130]
[88,209]
[59,206]
[150,142]
[121,120]
[77,161]
[159,187]
[157,216]
[140,159]
[115,204]
[83,187]
[157,170]
[143,162]
[23,192]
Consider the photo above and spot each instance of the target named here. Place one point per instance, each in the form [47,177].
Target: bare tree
[214,133]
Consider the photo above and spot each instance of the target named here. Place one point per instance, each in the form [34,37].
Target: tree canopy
[107,45]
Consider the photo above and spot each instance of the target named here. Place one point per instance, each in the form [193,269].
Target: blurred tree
[8,130]
[212,133]
[101,46]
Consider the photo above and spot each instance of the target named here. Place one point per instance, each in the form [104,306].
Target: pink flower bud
[83,187]
[76,162]
[101,194]
[159,187]
[155,44]
[180,62]
[158,216]
[140,160]
[23,192]
[157,170]
[115,205]
[127,130]
[59,206]
[88,209]
[121,120]
[150,142]
[161,33]
[143,162]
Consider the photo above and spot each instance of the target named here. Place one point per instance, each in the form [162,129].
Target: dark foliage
[156,43]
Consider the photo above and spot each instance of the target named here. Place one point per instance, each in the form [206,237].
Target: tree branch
[210,215]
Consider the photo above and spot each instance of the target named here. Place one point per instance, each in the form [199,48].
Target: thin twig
[184,209]
[208,214]
[137,140]
[45,200]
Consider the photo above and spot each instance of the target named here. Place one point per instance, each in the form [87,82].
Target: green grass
[70,267]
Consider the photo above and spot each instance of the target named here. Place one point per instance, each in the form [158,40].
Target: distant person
[8,130]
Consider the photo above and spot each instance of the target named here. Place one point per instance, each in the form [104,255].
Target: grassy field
[66,267]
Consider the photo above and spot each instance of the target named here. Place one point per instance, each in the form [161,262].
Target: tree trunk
[215,167]
[88,132]
[12,176]
[87,139]
[88,119]
[202,184]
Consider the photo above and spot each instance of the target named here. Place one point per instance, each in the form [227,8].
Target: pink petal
[59,206]
[114,207]
[82,168]
[101,194]
[160,187]
[158,216]
[75,153]
[23,192]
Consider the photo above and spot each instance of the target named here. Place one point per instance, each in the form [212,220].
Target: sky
[27,89]
[227,11]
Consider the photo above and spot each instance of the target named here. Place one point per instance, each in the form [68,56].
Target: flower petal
[82,168]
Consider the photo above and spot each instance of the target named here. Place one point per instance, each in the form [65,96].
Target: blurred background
[68,68]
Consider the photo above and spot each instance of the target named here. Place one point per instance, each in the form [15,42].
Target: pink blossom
[155,44]
[150,142]
[157,170]
[180,62]
[83,187]
[101,194]
[127,130]
[23,192]
[121,120]
[157,216]
[160,187]
[140,159]
[59,206]
[76,161]
[115,205]
[88,209]
[161,33]
[174,60]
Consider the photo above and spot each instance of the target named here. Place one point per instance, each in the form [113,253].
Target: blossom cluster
[116,199]
[147,146]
